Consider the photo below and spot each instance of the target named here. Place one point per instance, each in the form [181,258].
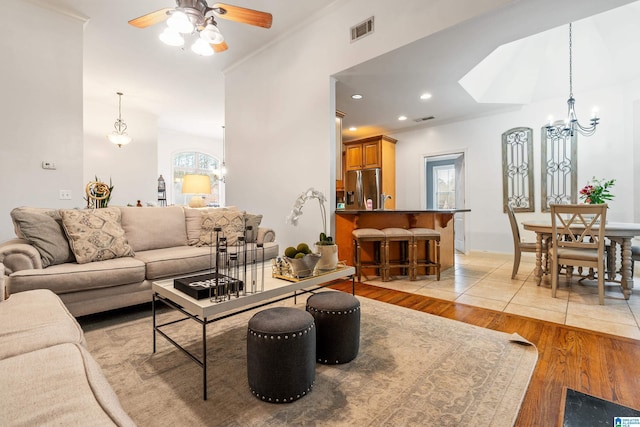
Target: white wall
[41,109]
[132,168]
[280,112]
[609,153]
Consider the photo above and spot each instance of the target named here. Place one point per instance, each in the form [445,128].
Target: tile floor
[484,280]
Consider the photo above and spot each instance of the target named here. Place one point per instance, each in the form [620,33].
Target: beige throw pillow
[96,234]
[231,223]
[254,221]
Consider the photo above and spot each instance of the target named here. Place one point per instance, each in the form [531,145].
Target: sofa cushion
[34,320]
[72,277]
[154,227]
[193,219]
[161,263]
[231,223]
[60,385]
[253,221]
[42,228]
[95,234]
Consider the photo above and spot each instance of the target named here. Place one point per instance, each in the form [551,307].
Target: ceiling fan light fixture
[201,47]
[211,34]
[180,22]
[171,37]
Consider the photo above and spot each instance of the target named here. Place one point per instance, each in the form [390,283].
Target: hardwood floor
[599,364]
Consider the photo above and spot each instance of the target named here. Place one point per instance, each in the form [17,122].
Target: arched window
[193,162]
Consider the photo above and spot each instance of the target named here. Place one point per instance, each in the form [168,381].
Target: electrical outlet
[48,165]
[65,194]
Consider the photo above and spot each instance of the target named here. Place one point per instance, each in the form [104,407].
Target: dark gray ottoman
[281,351]
[337,317]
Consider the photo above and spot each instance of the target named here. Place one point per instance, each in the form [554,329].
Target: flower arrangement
[293,217]
[597,191]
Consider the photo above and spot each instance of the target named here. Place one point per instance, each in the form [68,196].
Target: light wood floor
[603,365]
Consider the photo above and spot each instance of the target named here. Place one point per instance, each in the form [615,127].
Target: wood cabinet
[374,152]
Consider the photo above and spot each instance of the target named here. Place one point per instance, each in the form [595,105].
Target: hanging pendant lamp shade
[119,136]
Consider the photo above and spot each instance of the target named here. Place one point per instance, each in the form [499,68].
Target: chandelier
[571,125]
[119,136]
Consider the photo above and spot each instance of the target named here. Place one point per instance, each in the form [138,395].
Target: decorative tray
[281,270]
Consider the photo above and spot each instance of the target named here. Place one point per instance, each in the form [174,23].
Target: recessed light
[402,118]
[356,96]
[353,128]
[425,96]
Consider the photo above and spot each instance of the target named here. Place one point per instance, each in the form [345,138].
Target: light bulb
[203,48]
[171,37]
[180,22]
[211,34]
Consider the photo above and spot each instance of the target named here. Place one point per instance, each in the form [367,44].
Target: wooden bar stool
[432,249]
[405,240]
[377,238]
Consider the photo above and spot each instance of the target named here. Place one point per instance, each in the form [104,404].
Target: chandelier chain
[570,62]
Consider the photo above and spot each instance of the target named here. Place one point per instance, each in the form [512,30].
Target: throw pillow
[254,221]
[231,223]
[193,219]
[96,234]
[42,228]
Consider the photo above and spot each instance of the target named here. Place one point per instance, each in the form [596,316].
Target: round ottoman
[337,318]
[281,349]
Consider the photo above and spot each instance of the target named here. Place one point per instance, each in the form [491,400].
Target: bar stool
[375,236]
[432,246]
[405,240]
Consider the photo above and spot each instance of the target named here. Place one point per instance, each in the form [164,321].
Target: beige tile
[493,290]
[541,298]
[586,322]
[475,301]
[536,312]
[459,284]
[612,310]
[444,294]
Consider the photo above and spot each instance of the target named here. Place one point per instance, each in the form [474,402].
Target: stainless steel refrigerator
[360,186]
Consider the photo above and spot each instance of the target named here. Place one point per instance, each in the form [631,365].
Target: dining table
[618,233]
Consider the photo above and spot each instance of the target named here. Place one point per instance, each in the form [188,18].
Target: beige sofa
[48,376]
[98,260]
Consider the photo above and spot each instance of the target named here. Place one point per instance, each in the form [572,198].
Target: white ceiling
[504,78]
[185,91]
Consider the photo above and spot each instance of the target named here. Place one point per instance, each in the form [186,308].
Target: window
[444,178]
[191,162]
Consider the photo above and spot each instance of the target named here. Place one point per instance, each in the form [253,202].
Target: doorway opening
[445,189]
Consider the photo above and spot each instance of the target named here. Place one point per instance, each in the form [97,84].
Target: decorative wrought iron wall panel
[559,169]
[517,169]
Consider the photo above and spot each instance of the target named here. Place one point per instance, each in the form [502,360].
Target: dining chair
[518,245]
[578,240]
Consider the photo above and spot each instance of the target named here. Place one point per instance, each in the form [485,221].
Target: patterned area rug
[413,369]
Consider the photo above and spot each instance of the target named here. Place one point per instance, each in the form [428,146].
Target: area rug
[413,369]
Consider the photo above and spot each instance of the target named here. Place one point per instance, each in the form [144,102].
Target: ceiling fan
[191,15]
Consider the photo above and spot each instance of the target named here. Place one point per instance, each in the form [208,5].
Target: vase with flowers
[325,246]
[597,191]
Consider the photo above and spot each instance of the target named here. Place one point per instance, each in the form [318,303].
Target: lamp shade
[198,185]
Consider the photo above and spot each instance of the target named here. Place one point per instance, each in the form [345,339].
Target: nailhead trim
[277,400]
[318,310]
[285,335]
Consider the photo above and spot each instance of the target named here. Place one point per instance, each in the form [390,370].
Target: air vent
[423,119]
[362,29]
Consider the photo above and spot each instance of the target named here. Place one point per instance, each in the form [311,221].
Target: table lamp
[198,185]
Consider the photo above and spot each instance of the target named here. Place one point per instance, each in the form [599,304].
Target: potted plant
[325,246]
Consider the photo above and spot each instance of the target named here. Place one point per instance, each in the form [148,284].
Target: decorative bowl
[303,267]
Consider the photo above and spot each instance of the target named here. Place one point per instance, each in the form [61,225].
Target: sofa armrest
[266,235]
[18,255]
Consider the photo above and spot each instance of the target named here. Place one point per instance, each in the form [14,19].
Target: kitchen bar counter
[439,220]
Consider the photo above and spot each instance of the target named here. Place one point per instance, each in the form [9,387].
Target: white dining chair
[578,240]
[518,245]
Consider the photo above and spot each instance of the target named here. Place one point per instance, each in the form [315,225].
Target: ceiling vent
[423,119]
[362,29]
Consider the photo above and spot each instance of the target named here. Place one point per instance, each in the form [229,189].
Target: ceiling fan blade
[220,47]
[151,18]
[243,15]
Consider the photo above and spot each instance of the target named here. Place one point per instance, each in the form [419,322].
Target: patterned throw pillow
[254,221]
[96,234]
[231,223]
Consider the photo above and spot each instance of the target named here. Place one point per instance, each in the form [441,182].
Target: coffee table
[204,311]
